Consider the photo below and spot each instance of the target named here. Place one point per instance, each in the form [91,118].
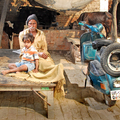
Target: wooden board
[3,16]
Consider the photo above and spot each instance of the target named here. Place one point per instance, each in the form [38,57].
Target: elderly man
[40,39]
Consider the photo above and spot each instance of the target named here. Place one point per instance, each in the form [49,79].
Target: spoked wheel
[108,100]
[110,59]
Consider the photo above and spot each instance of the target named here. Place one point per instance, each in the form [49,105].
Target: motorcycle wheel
[110,59]
[108,101]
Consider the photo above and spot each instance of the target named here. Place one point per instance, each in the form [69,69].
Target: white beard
[32,28]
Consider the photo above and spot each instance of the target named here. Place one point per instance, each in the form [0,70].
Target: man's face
[32,25]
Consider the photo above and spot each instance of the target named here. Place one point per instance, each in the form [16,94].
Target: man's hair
[28,36]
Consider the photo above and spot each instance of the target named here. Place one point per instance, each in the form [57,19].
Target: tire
[110,59]
[102,49]
[108,101]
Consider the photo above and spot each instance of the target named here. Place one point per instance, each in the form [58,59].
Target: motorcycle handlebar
[81,23]
[93,29]
[89,26]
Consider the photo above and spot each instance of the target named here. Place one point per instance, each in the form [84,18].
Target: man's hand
[43,55]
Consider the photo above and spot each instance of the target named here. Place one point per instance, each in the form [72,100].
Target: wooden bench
[75,46]
[14,84]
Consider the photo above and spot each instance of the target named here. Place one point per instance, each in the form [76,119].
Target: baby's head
[28,37]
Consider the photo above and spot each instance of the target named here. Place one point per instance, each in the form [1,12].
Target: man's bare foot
[5,72]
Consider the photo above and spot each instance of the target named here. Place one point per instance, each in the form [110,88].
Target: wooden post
[3,16]
[114,21]
[50,99]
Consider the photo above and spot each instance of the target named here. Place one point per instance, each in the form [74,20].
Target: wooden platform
[14,84]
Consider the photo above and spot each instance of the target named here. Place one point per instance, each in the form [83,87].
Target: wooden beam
[114,21]
[50,100]
[3,16]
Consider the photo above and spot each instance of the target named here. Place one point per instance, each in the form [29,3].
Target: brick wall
[56,39]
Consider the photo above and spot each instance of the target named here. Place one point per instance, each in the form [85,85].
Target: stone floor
[79,103]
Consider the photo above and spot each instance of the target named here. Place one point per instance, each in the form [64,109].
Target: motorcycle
[86,50]
[104,67]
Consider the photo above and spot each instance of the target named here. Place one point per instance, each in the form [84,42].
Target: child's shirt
[30,54]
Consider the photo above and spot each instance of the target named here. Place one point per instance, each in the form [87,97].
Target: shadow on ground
[26,101]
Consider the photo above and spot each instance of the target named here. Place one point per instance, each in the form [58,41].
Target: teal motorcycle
[104,63]
[86,39]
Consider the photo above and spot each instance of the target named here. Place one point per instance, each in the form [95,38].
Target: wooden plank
[116,108]
[110,115]
[74,110]
[65,109]
[84,111]
[103,115]
[29,85]
[3,16]
[50,100]
[22,88]
[18,89]
[93,113]
[57,110]
[95,105]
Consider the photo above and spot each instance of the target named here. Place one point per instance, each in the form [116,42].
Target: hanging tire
[108,100]
[110,59]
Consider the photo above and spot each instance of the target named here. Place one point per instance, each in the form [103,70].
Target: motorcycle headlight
[116,83]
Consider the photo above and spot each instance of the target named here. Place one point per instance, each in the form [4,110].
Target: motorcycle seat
[96,68]
[98,43]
